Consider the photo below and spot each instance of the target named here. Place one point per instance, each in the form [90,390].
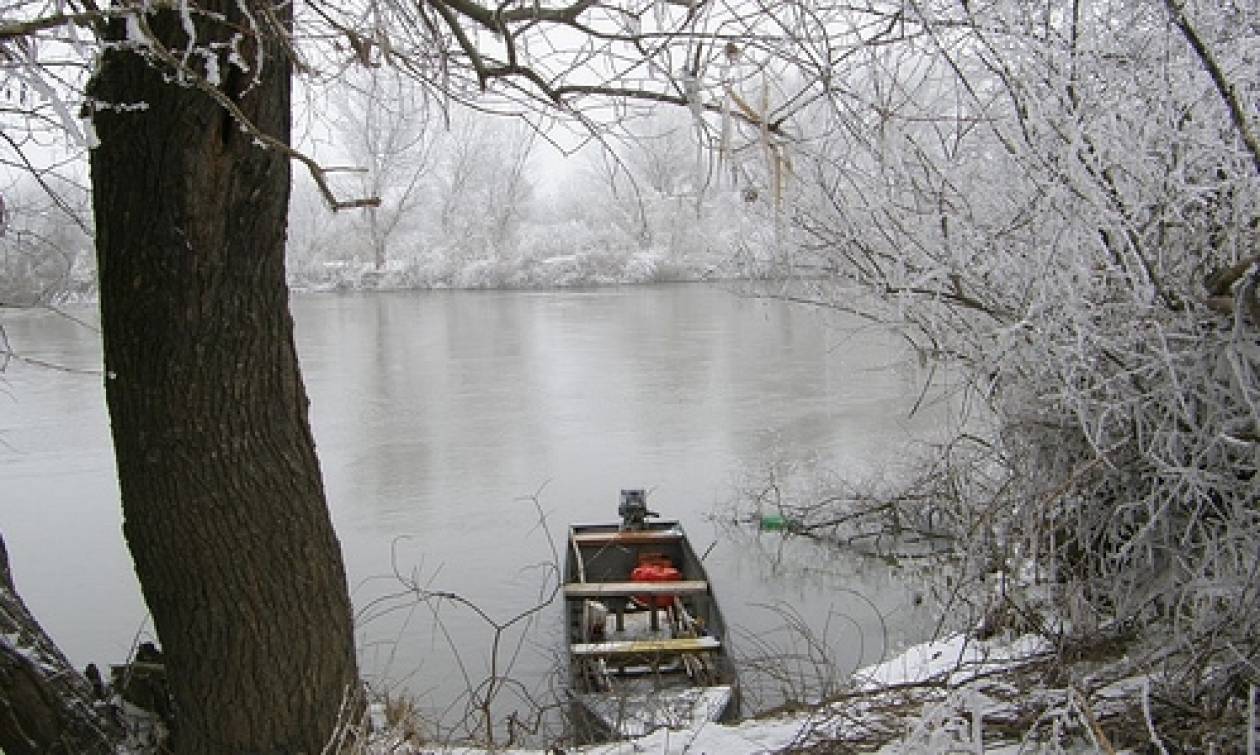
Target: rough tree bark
[223,502]
[46,706]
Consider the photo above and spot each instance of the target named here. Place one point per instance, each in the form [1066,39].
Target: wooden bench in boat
[628,537]
[646,647]
[594,590]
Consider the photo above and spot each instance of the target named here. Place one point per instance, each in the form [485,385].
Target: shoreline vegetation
[581,270]
[590,269]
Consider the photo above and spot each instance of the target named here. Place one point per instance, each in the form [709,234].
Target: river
[458,430]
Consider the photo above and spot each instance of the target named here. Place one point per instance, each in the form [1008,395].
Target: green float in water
[776,523]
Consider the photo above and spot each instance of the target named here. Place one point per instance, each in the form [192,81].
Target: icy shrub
[1088,264]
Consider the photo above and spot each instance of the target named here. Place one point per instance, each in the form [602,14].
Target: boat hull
[646,641]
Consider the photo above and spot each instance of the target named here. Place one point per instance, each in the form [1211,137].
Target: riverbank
[1007,695]
[1002,696]
[952,695]
[585,268]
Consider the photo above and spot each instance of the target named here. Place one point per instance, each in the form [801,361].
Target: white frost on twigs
[234,56]
[212,74]
[135,33]
[31,72]
[190,31]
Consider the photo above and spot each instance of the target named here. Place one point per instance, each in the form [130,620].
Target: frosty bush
[1063,202]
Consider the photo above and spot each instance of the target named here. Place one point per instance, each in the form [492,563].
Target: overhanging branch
[318,172]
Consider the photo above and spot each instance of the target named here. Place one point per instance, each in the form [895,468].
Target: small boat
[646,641]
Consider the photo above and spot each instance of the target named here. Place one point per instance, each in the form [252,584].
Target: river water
[460,431]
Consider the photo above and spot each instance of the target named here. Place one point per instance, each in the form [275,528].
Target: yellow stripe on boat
[614,589]
[647,647]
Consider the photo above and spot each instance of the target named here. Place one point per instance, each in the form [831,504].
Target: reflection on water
[436,416]
[812,615]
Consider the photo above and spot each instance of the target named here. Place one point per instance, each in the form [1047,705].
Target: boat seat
[596,590]
[627,537]
[646,647]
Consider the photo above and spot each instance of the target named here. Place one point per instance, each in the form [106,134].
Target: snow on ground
[744,738]
[944,728]
[959,656]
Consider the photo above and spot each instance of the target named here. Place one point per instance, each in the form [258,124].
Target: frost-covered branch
[1227,91]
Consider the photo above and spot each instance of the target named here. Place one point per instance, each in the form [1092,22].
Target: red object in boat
[655,571]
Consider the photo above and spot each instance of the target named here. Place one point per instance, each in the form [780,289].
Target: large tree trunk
[46,706]
[222,497]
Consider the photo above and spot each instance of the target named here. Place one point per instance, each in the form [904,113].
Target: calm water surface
[439,415]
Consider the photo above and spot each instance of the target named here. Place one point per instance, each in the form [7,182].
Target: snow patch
[960,657]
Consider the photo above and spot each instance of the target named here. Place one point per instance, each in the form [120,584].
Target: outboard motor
[633,510]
